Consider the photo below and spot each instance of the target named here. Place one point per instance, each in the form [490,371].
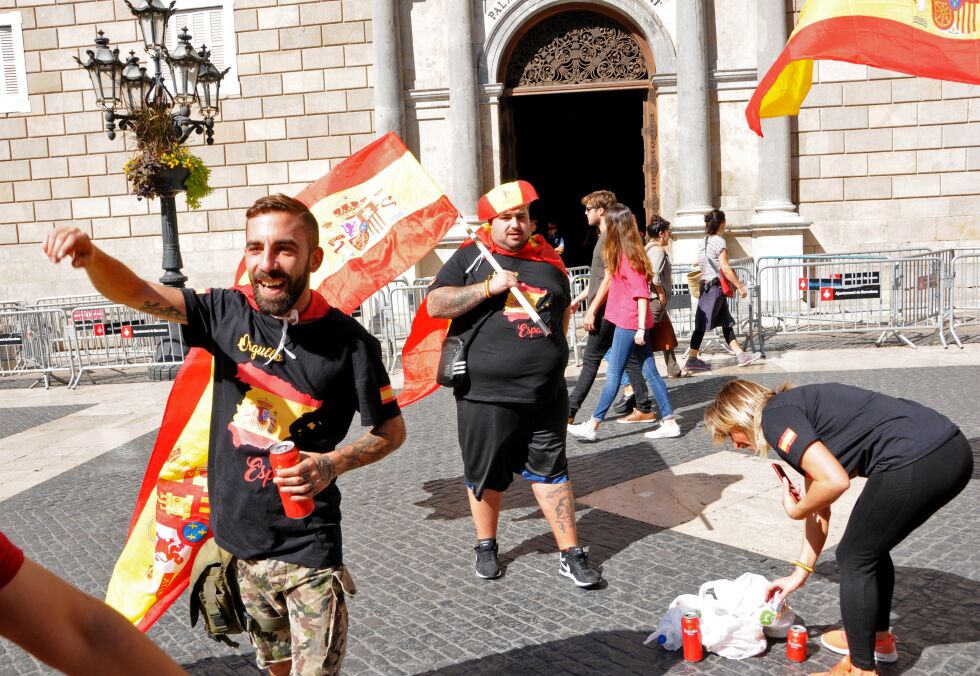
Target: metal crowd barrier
[578,283]
[849,294]
[12,305]
[117,337]
[35,341]
[963,299]
[404,303]
[68,302]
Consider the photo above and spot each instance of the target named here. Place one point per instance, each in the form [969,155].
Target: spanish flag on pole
[930,38]
[379,214]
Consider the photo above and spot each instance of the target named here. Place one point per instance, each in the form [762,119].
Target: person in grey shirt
[713,305]
[658,234]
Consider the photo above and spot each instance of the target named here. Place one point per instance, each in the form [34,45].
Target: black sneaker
[487,565]
[624,405]
[573,563]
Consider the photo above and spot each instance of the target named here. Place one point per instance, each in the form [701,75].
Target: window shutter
[206,27]
[8,59]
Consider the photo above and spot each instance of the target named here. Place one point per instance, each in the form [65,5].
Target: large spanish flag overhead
[930,38]
[379,213]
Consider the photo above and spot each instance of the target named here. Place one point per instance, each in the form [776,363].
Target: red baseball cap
[504,197]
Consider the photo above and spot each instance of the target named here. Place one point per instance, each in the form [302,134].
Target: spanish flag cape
[420,355]
[379,213]
[930,38]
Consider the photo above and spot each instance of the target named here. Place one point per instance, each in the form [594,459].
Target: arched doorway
[577,115]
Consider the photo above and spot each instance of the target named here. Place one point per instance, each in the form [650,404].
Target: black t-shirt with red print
[310,400]
[509,358]
[866,431]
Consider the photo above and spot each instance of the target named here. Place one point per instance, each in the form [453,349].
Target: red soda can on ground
[281,455]
[691,637]
[796,639]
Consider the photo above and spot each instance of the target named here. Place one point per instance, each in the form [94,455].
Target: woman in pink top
[628,276]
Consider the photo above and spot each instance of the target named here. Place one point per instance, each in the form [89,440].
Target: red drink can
[691,637]
[796,639]
[281,455]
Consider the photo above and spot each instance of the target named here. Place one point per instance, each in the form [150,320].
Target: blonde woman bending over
[916,460]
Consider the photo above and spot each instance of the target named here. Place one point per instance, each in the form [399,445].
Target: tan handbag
[694,283]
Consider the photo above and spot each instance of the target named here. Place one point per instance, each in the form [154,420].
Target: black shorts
[501,440]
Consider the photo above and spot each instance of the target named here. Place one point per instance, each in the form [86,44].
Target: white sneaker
[667,430]
[746,358]
[583,431]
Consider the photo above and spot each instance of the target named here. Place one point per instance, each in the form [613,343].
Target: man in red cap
[512,411]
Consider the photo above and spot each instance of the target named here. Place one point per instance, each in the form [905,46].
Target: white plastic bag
[730,616]
[668,631]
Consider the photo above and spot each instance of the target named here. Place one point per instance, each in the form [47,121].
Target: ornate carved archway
[581,50]
[576,48]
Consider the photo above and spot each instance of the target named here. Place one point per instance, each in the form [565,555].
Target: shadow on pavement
[233,665]
[929,608]
[620,652]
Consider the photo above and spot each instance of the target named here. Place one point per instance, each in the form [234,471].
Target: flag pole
[518,294]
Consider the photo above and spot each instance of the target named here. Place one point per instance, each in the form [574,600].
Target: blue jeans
[619,354]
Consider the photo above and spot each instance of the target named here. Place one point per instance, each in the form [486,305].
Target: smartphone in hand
[782,475]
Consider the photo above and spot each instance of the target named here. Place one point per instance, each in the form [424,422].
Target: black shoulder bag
[452,359]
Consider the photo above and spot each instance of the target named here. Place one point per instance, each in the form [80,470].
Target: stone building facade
[875,159]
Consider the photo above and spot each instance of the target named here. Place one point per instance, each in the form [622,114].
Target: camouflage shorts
[314,599]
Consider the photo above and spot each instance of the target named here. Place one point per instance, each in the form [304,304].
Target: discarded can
[282,455]
[691,637]
[796,643]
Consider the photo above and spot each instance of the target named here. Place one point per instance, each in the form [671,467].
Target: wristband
[486,286]
[805,567]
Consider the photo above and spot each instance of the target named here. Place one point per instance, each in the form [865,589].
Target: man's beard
[282,303]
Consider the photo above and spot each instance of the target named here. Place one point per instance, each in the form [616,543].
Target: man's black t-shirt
[866,431]
[509,358]
[309,400]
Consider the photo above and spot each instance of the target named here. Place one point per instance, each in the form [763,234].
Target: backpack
[215,597]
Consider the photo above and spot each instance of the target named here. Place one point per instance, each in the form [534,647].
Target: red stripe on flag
[189,386]
[408,241]
[876,42]
[356,169]
[420,355]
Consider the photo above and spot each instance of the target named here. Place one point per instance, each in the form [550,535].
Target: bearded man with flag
[287,365]
[512,411]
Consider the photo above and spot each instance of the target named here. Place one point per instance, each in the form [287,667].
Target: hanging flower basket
[160,165]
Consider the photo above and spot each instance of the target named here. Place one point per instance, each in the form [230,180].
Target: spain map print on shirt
[539,299]
[269,408]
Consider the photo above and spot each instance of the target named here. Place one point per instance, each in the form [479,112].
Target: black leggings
[700,325]
[892,505]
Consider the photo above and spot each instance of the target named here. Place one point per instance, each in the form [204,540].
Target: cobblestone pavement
[420,609]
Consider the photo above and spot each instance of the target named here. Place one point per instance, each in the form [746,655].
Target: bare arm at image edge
[112,278]
[74,632]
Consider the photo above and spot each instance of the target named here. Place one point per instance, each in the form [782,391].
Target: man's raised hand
[68,242]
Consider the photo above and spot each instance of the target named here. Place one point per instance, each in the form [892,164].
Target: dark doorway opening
[568,145]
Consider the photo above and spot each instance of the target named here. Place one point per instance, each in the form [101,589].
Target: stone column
[389,109]
[694,150]
[463,119]
[774,194]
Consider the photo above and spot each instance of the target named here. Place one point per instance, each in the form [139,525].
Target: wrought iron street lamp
[125,91]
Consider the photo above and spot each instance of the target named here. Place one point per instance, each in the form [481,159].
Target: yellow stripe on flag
[356,219]
[135,583]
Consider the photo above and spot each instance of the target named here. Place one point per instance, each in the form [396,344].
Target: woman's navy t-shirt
[866,431]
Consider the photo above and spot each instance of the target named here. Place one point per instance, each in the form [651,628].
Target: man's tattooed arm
[449,302]
[164,311]
[373,446]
